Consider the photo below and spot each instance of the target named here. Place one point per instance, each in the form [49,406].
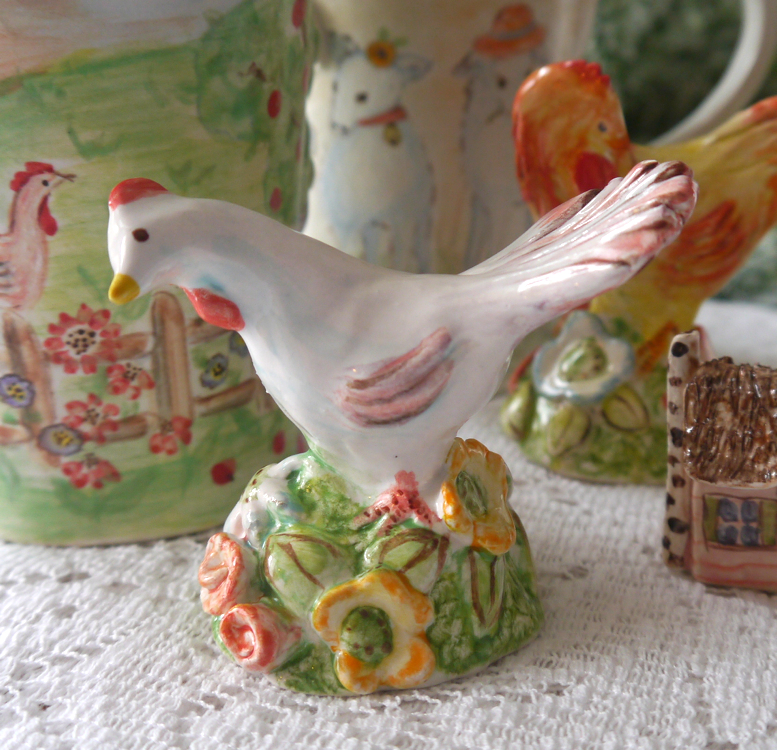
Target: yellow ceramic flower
[376,626]
[475,496]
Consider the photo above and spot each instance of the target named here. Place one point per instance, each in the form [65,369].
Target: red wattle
[47,222]
[593,171]
[216,310]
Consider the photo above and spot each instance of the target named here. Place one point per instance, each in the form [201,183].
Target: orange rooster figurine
[591,403]
[24,250]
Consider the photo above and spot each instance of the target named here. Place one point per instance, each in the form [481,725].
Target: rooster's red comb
[586,71]
[133,190]
[31,168]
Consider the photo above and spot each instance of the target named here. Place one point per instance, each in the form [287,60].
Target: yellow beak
[123,289]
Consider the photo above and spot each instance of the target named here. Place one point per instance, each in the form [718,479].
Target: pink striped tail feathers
[595,241]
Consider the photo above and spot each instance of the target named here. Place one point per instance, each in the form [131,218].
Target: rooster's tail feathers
[590,244]
[626,223]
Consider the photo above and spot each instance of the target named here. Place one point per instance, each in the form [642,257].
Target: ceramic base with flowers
[582,405]
[384,557]
[325,596]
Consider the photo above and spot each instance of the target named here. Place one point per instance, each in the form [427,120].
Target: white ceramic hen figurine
[380,368]
[389,555]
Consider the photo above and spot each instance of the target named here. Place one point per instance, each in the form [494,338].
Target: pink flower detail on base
[400,501]
[258,638]
[92,471]
[225,574]
[170,432]
[82,340]
[92,418]
[129,377]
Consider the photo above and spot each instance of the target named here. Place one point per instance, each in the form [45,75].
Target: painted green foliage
[471,630]
[253,68]
[313,538]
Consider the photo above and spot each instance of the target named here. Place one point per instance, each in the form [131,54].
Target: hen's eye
[141,235]
[361,97]
[602,127]
[45,183]
[501,81]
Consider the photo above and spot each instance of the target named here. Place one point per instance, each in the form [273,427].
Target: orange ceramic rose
[258,637]
[225,574]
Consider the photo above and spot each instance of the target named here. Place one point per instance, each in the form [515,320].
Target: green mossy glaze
[621,438]
[485,605]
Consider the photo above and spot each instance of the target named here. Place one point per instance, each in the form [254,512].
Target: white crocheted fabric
[109,648]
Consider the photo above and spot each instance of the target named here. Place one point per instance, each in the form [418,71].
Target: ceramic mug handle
[745,73]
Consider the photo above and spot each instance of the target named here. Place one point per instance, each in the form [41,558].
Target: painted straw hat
[512,32]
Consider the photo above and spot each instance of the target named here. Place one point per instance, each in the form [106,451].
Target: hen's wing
[590,244]
[395,391]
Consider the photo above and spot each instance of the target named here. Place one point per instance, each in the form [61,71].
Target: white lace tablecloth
[108,647]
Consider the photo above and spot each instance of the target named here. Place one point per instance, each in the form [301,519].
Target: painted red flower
[170,432]
[91,471]
[129,379]
[92,418]
[276,199]
[298,13]
[81,340]
[274,103]
[224,471]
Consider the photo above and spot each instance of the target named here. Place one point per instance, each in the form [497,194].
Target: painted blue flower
[237,345]
[215,371]
[60,440]
[584,363]
[16,391]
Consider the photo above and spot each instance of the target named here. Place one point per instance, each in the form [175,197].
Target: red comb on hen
[31,168]
[133,190]
[586,71]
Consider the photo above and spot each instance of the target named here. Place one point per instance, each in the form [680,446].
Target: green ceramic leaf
[566,429]
[518,410]
[460,643]
[418,553]
[311,671]
[486,578]
[624,410]
[300,565]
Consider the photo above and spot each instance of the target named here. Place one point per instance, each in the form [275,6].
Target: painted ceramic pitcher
[386,556]
[134,423]
[410,113]
[591,403]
